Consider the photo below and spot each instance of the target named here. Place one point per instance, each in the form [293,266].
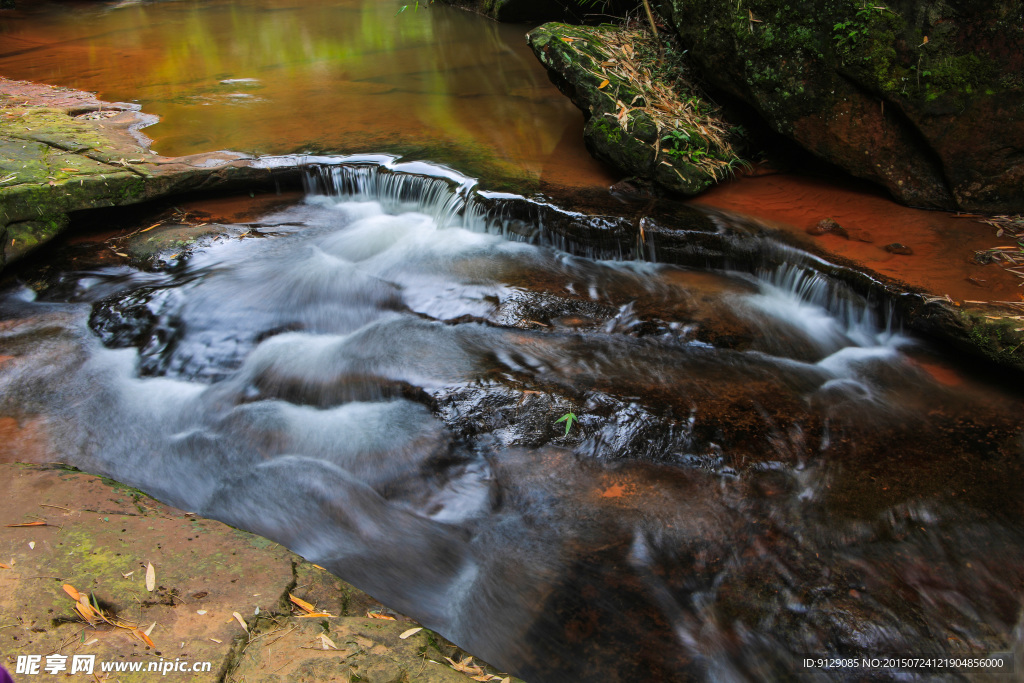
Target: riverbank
[63,151]
[221,598]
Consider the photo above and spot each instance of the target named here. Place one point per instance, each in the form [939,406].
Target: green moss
[997,340]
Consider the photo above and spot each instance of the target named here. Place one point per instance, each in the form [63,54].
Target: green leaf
[568,419]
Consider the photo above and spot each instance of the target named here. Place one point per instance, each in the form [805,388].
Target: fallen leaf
[326,643]
[144,638]
[4,566]
[410,632]
[28,524]
[466,666]
[200,611]
[604,83]
[90,642]
[70,170]
[150,577]
[302,603]
[85,610]
[31,545]
[149,630]
[378,615]
[319,567]
[72,591]
[128,574]
[314,614]
[216,641]
[240,620]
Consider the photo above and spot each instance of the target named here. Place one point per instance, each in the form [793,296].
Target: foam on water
[378,389]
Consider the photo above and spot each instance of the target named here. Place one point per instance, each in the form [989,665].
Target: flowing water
[764,466]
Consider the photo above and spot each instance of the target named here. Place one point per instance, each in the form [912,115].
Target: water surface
[279,76]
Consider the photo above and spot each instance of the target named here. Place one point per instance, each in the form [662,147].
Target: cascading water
[760,468]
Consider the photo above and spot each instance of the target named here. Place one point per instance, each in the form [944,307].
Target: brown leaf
[70,170]
[72,591]
[302,603]
[604,84]
[4,565]
[86,611]
[326,643]
[240,620]
[11,526]
[314,614]
[150,577]
[412,631]
[141,635]
[378,615]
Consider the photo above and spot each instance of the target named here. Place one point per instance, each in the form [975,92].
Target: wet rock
[897,248]
[54,162]
[828,226]
[915,96]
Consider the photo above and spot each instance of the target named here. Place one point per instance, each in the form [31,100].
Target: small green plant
[568,419]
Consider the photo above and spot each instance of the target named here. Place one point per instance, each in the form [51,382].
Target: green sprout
[568,419]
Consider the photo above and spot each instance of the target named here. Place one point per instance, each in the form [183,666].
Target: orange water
[328,76]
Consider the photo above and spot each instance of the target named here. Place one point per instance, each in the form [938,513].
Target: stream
[761,465]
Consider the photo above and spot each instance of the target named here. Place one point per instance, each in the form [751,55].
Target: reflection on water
[278,76]
[764,466]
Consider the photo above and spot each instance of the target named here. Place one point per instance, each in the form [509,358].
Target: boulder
[640,127]
[924,98]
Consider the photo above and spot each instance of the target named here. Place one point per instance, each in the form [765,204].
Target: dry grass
[689,126]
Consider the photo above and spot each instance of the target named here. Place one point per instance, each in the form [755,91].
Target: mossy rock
[923,98]
[618,130]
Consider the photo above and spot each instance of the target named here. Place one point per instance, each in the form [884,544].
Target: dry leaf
[302,603]
[150,577]
[127,575]
[326,643]
[216,641]
[84,612]
[604,83]
[144,638]
[410,632]
[314,614]
[11,526]
[4,566]
[70,170]
[200,612]
[149,630]
[466,666]
[72,591]
[378,615]
[319,567]
[31,545]
[90,642]
[240,620]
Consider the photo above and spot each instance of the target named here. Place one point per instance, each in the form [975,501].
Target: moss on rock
[921,97]
[604,75]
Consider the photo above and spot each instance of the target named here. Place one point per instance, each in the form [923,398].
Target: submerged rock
[924,98]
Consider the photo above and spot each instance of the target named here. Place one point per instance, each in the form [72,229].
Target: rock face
[924,98]
[628,127]
[56,157]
